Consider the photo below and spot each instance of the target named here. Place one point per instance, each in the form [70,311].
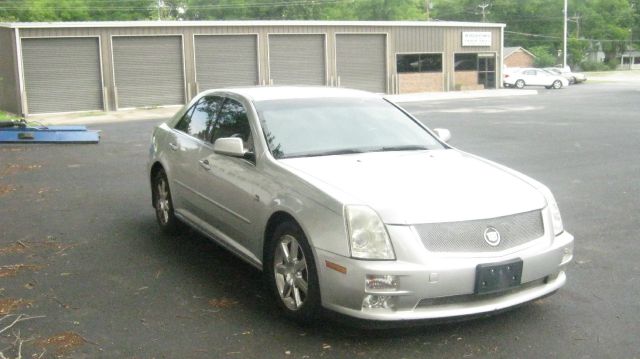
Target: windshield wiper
[345,151]
[404,148]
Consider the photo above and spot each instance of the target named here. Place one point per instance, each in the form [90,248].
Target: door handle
[173,146]
[205,164]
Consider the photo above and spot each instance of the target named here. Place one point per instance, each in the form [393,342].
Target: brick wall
[519,59]
[467,80]
[420,82]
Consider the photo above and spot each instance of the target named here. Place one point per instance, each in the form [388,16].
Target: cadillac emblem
[492,236]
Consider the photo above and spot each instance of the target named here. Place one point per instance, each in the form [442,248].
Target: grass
[5,116]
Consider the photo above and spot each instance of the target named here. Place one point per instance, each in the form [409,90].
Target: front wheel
[557,84]
[520,84]
[163,203]
[291,273]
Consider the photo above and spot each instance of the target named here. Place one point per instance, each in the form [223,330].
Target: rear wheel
[520,84]
[163,204]
[557,84]
[291,273]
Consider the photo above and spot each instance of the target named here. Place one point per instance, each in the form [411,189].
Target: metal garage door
[297,59]
[148,70]
[226,60]
[361,61]
[62,74]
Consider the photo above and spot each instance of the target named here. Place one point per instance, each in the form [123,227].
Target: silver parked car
[572,77]
[347,202]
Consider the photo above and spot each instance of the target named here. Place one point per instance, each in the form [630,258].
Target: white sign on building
[476,38]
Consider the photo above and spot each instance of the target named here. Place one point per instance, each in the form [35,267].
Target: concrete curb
[166,112]
[91,118]
[454,95]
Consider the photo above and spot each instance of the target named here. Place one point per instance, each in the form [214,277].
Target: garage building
[107,66]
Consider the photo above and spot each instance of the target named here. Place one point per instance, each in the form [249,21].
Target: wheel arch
[274,220]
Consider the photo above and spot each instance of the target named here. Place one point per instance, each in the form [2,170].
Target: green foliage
[534,23]
[530,23]
[597,66]
[544,56]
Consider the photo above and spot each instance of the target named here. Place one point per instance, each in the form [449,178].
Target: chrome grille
[468,236]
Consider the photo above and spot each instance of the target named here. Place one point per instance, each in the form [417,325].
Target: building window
[626,60]
[636,60]
[466,62]
[407,63]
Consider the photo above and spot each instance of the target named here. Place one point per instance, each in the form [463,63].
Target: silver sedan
[347,202]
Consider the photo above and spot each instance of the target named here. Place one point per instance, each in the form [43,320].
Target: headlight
[556,218]
[368,236]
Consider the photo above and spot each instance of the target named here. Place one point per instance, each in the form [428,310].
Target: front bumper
[432,286]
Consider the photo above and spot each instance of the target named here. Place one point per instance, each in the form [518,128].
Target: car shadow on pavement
[235,283]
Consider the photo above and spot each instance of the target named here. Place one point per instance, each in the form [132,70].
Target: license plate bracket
[498,277]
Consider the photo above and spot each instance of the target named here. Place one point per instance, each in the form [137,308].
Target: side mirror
[443,134]
[230,146]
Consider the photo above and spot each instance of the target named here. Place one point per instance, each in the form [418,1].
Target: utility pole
[160,4]
[564,38]
[427,8]
[576,18]
[484,7]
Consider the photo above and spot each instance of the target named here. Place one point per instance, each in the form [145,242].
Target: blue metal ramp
[23,132]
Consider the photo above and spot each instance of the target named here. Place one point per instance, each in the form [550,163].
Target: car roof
[266,93]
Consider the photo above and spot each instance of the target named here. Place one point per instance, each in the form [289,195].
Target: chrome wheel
[290,272]
[163,205]
[520,84]
[557,84]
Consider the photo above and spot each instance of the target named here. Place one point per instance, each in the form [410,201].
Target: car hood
[420,186]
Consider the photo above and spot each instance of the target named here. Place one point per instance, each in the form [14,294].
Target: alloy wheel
[163,206]
[291,272]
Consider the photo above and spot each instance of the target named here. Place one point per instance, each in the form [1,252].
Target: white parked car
[347,202]
[572,77]
[520,78]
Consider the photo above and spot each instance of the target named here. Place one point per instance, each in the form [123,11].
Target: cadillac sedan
[346,202]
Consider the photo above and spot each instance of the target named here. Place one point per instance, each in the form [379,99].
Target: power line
[560,37]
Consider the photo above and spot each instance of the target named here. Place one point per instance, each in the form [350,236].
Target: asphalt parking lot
[81,254]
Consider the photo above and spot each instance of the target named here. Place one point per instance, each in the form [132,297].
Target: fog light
[385,283]
[567,255]
[378,302]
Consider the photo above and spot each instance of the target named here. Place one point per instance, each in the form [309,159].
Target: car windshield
[333,126]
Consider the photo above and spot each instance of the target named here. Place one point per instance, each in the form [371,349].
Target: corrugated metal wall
[148,70]
[297,59]
[432,38]
[62,74]
[361,61]
[226,60]
[9,86]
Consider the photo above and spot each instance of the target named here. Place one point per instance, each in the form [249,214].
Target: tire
[572,81]
[557,84]
[291,274]
[520,84]
[163,204]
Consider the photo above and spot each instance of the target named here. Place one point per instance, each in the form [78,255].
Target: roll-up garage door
[361,61]
[226,60]
[148,70]
[297,59]
[62,74]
